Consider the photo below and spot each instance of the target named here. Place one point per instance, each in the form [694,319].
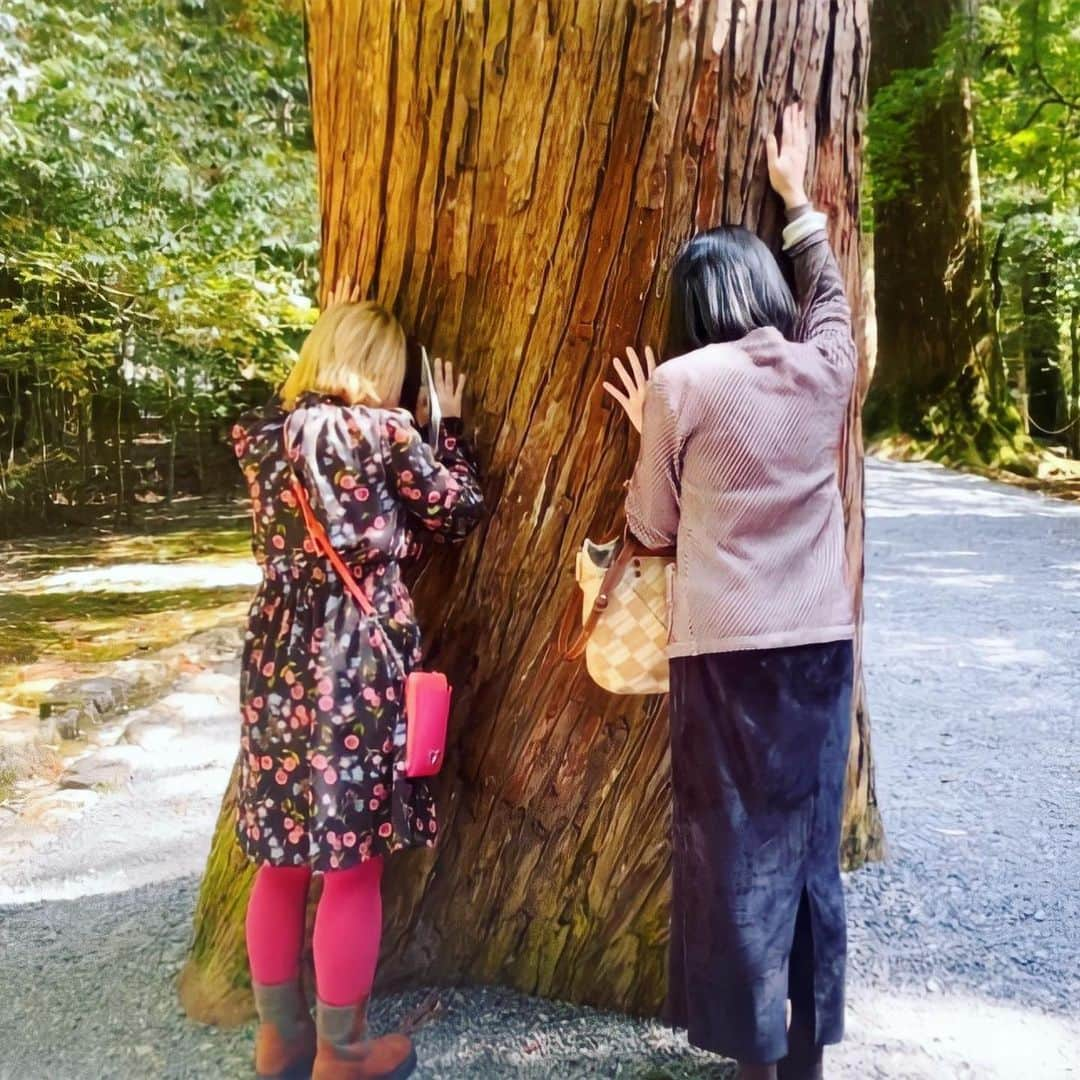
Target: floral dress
[322,771]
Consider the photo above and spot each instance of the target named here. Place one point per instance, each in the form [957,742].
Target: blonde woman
[322,782]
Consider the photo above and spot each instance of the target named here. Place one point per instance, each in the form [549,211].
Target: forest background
[159,237]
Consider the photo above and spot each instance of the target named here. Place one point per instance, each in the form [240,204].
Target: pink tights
[348,927]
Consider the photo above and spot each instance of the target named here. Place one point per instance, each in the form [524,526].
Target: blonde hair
[356,351]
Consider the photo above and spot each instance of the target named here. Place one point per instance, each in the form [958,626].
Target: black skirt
[759,744]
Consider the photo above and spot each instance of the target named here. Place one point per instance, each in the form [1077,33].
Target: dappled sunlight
[191,534]
[948,577]
[905,490]
[959,1035]
[903,646]
[993,653]
[111,835]
[98,626]
[145,577]
[944,607]
[937,555]
[998,652]
[118,867]
[92,599]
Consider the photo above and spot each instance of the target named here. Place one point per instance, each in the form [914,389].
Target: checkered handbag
[626,600]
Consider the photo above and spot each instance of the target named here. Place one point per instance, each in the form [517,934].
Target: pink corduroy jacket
[739,469]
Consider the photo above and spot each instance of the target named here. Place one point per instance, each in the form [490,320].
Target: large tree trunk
[515,180]
[939,373]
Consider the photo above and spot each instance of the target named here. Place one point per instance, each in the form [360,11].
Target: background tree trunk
[939,370]
[515,181]
[1041,335]
[1074,385]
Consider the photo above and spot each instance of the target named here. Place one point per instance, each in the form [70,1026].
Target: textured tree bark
[515,180]
[938,372]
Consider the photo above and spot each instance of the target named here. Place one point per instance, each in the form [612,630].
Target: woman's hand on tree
[635,382]
[788,158]
[344,292]
[451,393]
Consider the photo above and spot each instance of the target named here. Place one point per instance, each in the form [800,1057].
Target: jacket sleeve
[654,496]
[440,489]
[824,314]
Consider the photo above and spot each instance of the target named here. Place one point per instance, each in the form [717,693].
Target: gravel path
[145,802]
[973,666]
[965,944]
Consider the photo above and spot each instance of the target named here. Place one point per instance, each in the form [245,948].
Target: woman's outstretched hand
[787,159]
[451,392]
[635,381]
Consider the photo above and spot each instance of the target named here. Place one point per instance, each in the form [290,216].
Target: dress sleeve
[654,496]
[439,488]
[824,313]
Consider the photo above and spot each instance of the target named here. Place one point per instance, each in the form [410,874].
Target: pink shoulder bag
[427,693]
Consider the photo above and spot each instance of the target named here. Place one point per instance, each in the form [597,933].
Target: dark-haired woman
[741,435]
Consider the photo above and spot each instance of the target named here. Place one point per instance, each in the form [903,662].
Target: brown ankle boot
[285,1041]
[346,1053]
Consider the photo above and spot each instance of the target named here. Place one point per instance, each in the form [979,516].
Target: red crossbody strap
[322,541]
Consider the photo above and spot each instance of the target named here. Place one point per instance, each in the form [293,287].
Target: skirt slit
[759,745]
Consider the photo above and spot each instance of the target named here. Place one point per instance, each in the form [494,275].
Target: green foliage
[1028,102]
[896,155]
[1020,62]
[158,227]
[1028,139]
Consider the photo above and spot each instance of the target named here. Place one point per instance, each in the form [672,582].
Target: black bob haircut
[726,283]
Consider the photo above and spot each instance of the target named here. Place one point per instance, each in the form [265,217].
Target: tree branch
[1035,114]
[1036,39]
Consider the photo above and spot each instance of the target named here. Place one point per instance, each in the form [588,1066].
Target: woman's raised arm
[824,313]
